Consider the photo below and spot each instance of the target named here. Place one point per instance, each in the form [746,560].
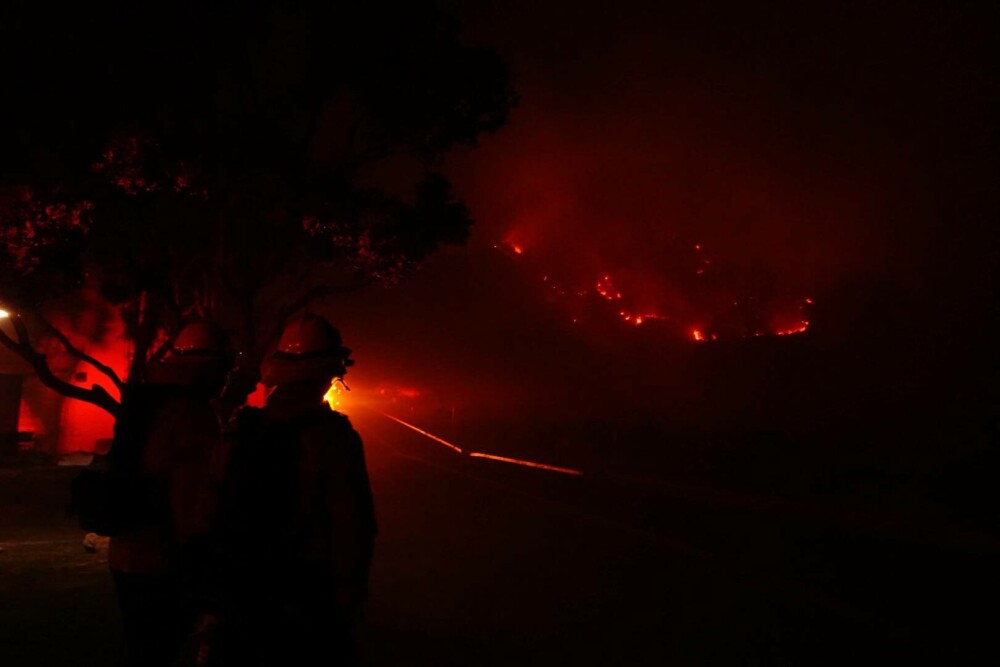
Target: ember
[742,317]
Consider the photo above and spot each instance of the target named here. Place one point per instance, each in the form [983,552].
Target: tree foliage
[217,158]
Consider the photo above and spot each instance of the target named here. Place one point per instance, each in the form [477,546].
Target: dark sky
[813,145]
[799,138]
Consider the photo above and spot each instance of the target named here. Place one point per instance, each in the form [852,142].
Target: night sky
[810,141]
[843,153]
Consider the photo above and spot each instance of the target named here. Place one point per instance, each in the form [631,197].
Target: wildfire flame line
[605,288]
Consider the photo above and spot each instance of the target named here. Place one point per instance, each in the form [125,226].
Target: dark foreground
[486,563]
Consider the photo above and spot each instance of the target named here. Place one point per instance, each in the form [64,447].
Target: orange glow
[424,433]
[801,327]
[334,396]
[3,313]
[513,243]
[606,289]
[393,391]
[624,304]
[637,319]
[529,464]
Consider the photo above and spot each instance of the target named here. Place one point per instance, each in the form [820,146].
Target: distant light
[529,464]
[3,314]
[334,396]
[697,335]
[424,433]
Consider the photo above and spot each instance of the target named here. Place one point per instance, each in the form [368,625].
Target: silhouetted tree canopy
[229,159]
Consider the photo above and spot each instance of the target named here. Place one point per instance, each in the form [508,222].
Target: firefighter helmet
[198,339]
[200,355]
[309,335]
[309,349]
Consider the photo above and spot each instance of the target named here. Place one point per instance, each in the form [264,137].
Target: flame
[607,289]
[511,244]
[800,328]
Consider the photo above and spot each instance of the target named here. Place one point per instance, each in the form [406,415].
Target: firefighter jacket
[296,514]
[175,462]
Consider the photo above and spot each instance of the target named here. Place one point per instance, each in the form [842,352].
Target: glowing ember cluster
[745,319]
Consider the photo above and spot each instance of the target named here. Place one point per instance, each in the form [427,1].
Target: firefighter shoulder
[310,355]
[174,447]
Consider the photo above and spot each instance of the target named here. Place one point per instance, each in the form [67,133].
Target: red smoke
[690,176]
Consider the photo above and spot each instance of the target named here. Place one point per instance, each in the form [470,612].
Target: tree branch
[96,395]
[80,354]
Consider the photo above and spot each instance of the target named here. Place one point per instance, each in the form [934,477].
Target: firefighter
[296,525]
[165,438]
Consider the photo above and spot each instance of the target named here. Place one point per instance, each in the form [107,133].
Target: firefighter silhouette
[296,524]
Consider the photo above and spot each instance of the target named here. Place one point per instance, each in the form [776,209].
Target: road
[487,563]
[483,562]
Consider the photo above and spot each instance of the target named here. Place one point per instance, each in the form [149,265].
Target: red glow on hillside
[801,328]
[639,301]
[607,289]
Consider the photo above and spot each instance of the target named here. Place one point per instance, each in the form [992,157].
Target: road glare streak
[422,432]
[530,464]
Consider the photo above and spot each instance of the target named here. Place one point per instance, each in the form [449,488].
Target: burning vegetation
[712,309]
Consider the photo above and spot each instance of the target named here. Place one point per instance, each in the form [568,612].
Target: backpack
[116,497]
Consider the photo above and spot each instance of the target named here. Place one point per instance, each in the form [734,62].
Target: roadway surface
[483,562]
[488,563]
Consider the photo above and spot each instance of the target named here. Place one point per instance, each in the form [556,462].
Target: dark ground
[486,563]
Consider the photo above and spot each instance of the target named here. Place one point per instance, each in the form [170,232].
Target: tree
[221,160]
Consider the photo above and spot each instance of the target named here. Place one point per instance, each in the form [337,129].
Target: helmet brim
[283,370]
